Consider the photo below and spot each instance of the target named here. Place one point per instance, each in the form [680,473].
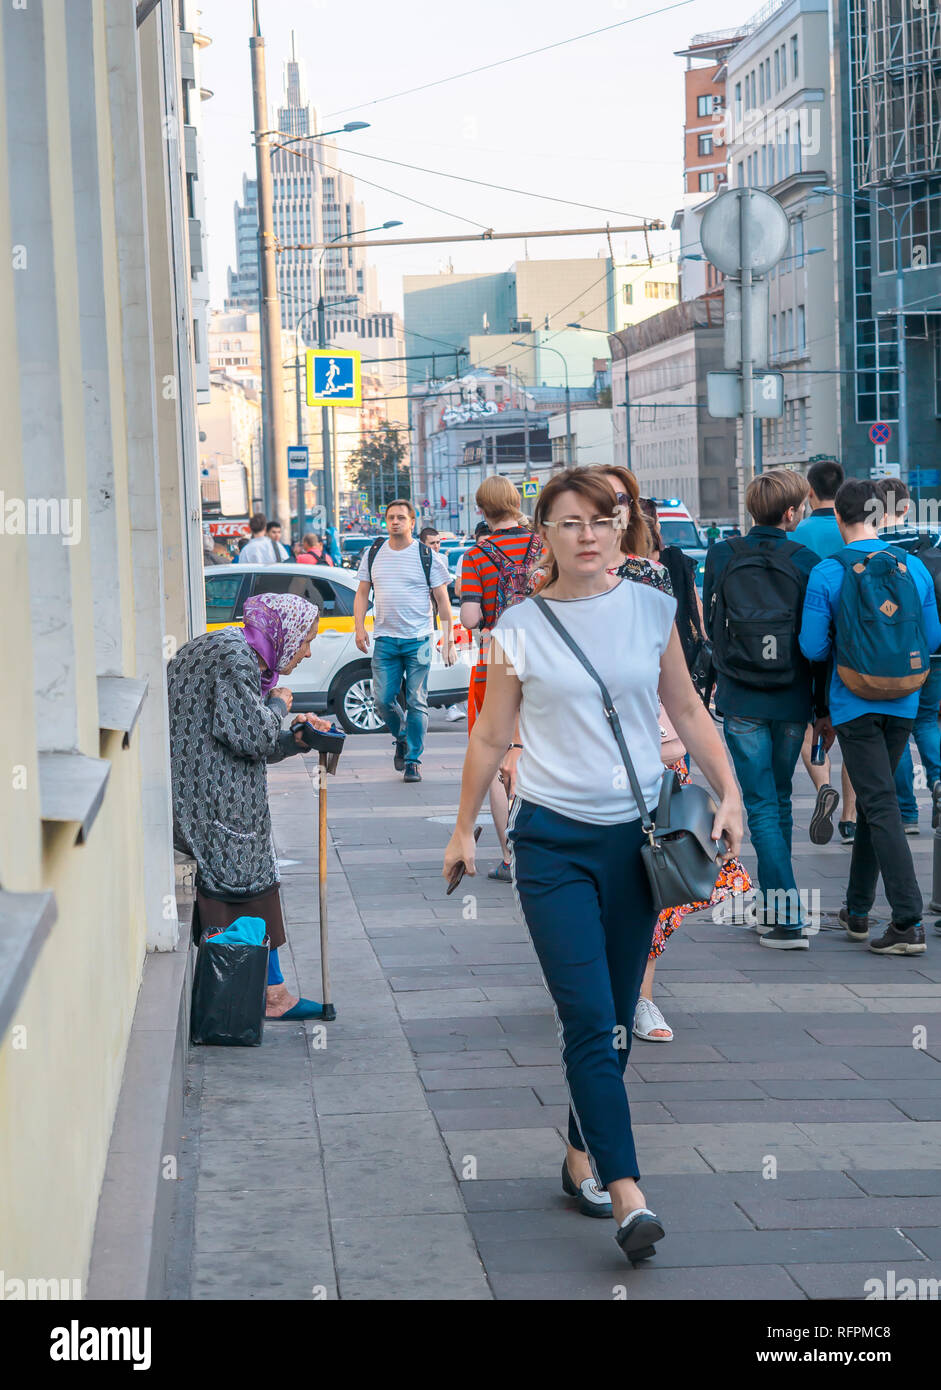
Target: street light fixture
[321,134]
[898,223]
[543,347]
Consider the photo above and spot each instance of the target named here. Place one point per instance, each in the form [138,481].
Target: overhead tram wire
[516,57]
[499,187]
[333,169]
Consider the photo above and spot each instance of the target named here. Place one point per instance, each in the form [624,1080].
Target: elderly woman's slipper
[304,1008]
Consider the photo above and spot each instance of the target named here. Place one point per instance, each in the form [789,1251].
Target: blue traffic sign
[880,433]
[333,377]
[298,461]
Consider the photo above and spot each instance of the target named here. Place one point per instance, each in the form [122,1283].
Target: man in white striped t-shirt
[401,571]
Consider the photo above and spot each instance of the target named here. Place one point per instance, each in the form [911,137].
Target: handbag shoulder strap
[610,711]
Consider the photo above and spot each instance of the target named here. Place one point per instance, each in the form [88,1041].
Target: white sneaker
[647,1019]
[455,712]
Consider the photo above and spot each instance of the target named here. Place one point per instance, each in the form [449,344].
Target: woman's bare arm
[692,722]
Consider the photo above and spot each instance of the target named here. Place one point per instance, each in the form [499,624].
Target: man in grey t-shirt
[401,578]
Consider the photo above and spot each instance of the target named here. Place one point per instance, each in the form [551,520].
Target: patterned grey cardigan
[222,733]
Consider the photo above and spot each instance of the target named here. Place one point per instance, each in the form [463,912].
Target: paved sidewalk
[789,1136]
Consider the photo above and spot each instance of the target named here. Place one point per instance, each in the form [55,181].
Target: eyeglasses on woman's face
[572,526]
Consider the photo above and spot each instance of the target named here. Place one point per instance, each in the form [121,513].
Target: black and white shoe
[821,822]
[784,939]
[638,1233]
[592,1199]
[856,927]
[900,941]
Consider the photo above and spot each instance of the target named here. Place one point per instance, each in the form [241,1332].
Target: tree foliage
[373,464]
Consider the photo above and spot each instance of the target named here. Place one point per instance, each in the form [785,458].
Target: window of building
[707,182]
[704,106]
[794,55]
[738,102]
[761,82]
[705,144]
[628,294]
[740,174]
[777,69]
[774,335]
[659,289]
[801,328]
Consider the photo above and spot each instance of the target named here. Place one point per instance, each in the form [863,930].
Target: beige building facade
[101,564]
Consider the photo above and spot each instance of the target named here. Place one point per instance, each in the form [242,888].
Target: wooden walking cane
[329,745]
[329,1010]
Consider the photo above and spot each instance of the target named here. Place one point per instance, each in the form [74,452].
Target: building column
[141,444]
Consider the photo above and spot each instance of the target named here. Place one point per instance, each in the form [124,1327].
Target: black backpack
[756,614]
[930,557]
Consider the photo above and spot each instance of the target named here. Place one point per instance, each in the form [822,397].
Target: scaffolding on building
[897,66]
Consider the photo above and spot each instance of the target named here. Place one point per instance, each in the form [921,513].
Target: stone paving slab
[789,1136]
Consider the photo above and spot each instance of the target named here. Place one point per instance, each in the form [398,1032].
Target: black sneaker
[784,939]
[936,805]
[857,928]
[847,831]
[398,757]
[821,822]
[910,827]
[909,941]
[412,773]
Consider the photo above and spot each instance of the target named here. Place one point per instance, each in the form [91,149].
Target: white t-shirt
[570,760]
[401,592]
[262,550]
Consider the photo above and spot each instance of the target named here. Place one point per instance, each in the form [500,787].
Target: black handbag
[680,857]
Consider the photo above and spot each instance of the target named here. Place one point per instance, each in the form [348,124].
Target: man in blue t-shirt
[820,531]
[872,735]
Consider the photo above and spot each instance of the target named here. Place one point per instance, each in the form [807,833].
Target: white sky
[598,121]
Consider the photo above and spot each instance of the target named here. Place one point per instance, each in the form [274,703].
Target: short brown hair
[771,494]
[497,498]
[257,523]
[635,538]
[400,502]
[587,482]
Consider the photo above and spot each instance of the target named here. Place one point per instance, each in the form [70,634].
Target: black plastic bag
[229,993]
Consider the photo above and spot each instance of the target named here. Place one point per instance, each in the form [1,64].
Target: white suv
[336,678]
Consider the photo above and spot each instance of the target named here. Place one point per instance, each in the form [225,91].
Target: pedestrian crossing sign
[333,377]
[530,487]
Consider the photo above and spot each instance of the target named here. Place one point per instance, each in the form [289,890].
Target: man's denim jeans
[764,754]
[395,659]
[927,736]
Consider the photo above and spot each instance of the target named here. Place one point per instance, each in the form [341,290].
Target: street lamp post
[898,223]
[627,387]
[543,347]
[331,506]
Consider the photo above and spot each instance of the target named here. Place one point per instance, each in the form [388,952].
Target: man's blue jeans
[395,659]
[764,754]
[927,736]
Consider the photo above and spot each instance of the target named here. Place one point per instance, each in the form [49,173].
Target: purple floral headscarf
[275,627]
